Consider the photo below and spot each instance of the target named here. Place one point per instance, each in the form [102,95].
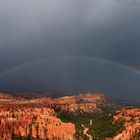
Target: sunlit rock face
[5,96]
[130,116]
[34,123]
[54,118]
[31,118]
[79,104]
[36,117]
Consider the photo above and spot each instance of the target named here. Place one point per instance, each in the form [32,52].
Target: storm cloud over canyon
[70,46]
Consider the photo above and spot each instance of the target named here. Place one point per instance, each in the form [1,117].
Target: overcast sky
[31,30]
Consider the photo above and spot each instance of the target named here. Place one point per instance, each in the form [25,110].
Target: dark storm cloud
[31,30]
[68,26]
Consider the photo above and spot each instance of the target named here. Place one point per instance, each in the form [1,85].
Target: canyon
[76,117]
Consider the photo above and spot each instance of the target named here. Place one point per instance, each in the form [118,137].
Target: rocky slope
[131,119]
[33,123]
[79,104]
[76,104]
[83,116]
[4,96]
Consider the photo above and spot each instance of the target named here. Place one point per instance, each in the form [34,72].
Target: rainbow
[100,59]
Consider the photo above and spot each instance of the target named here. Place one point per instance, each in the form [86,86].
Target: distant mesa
[5,96]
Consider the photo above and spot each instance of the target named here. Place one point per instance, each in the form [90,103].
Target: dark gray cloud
[32,30]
